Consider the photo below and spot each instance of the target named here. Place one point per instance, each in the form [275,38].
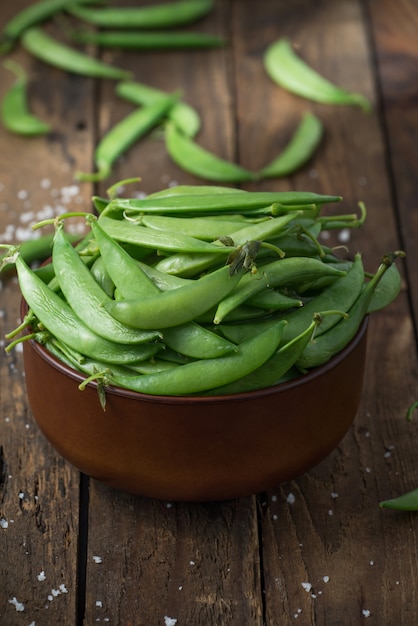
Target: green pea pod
[201,375]
[200,162]
[151,40]
[124,134]
[34,13]
[59,319]
[341,296]
[51,51]
[325,346]
[183,115]
[196,341]
[171,308]
[298,151]
[102,277]
[15,113]
[289,71]
[86,297]
[163,15]
[286,272]
[273,300]
[131,232]
[221,203]
[274,368]
[190,264]
[201,228]
[406,502]
[387,290]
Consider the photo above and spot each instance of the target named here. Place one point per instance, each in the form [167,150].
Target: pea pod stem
[51,51]
[289,71]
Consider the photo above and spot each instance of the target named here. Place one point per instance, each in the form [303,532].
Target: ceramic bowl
[196,448]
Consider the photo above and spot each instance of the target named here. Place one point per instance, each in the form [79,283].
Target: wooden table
[317,550]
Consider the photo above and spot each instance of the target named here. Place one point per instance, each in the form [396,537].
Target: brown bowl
[196,448]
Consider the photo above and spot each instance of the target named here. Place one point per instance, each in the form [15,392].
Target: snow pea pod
[324,346]
[59,319]
[15,113]
[274,368]
[193,190]
[51,51]
[198,161]
[149,40]
[285,272]
[289,71]
[124,134]
[406,502]
[130,232]
[298,151]
[171,308]
[182,114]
[33,14]
[387,290]
[201,375]
[164,15]
[86,297]
[202,228]
[191,204]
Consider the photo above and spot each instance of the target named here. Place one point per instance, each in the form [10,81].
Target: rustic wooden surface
[317,550]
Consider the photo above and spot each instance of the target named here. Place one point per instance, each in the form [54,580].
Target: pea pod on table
[406,502]
[289,71]
[148,40]
[163,15]
[51,51]
[15,113]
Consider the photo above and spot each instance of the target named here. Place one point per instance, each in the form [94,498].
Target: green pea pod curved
[406,502]
[289,71]
[201,375]
[298,151]
[171,308]
[51,51]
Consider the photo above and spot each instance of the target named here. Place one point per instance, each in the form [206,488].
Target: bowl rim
[299,381]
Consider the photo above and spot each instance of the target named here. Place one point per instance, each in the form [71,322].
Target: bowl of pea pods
[200,343]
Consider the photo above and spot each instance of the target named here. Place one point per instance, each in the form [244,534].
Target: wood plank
[393,30]
[39,491]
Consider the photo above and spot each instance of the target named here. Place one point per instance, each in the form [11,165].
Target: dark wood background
[73,551]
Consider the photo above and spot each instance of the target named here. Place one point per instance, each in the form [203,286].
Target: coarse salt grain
[4,523]
[290,498]
[366,612]
[307,586]
[325,579]
[169,621]
[41,576]
[97,559]
[18,605]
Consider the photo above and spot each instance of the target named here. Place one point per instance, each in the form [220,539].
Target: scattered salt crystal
[330,512]
[97,559]
[45,183]
[313,173]
[169,621]
[41,576]
[367,470]
[371,562]
[22,194]
[344,235]
[275,517]
[21,495]
[290,498]
[366,612]
[334,494]
[99,604]
[4,523]
[387,454]
[274,498]
[181,588]
[18,605]
[192,563]
[169,505]
[27,217]
[63,589]
[325,579]
[307,586]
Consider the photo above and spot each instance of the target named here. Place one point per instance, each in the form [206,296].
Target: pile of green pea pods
[201,290]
